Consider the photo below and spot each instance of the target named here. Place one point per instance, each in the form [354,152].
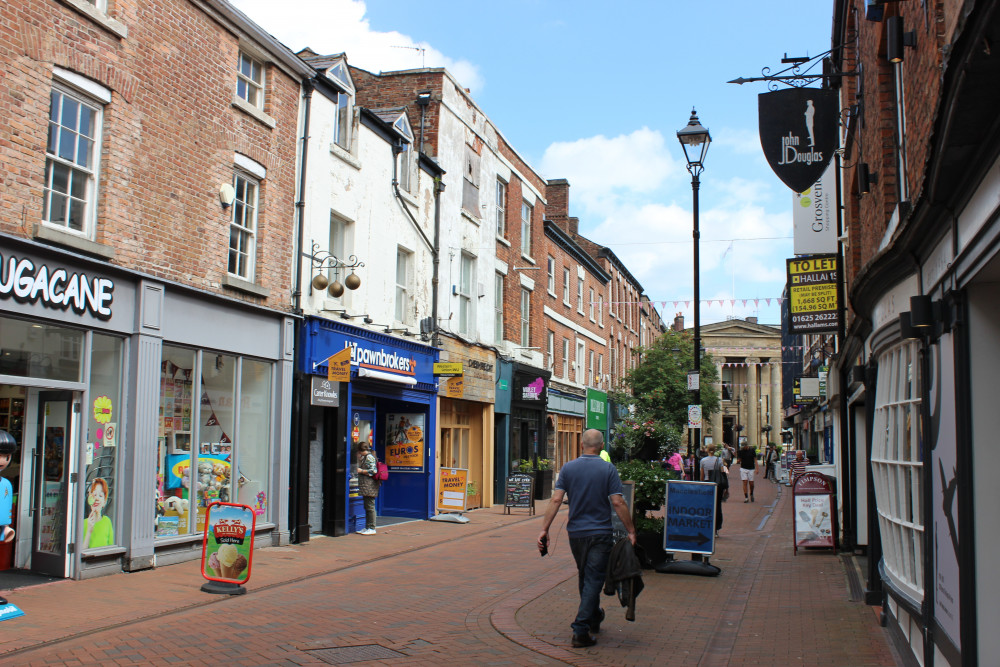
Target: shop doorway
[50,495]
[44,426]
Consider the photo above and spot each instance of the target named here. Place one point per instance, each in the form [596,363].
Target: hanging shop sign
[814,216]
[812,290]
[448,369]
[452,490]
[454,387]
[324,393]
[597,410]
[55,287]
[339,366]
[405,442]
[805,390]
[798,132]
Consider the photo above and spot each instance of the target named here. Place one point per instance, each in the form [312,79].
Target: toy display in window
[7,448]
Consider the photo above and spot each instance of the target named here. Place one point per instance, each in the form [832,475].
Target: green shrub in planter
[650,485]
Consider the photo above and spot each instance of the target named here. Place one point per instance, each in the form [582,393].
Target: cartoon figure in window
[98,531]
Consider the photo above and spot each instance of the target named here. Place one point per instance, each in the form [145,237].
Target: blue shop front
[389,402]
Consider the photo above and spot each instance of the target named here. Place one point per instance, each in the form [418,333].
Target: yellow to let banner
[813,298]
[338,368]
[451,489]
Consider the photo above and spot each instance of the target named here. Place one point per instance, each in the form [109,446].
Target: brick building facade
[149,184]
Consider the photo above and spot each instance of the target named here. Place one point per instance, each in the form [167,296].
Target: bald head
[592,441]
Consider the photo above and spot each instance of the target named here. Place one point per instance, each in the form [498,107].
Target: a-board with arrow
[689,517]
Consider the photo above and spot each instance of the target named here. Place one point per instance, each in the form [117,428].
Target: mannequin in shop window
[7,448]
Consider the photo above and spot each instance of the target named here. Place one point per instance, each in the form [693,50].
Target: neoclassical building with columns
[748,357]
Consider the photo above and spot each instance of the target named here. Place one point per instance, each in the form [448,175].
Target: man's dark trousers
[591,554]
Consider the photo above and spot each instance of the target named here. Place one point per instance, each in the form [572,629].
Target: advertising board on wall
[812,290]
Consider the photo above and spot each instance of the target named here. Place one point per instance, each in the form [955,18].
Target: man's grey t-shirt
[589,481]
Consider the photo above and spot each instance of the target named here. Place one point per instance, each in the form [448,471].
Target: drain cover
[342,655]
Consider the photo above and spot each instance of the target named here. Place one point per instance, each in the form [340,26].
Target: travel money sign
[798,132]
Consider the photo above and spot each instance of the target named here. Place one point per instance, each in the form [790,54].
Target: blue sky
[595,92]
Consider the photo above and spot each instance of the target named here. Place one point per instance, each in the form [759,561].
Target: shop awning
[388,377]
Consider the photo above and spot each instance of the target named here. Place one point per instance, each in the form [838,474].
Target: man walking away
[712,470]
[590,483]
[748,468]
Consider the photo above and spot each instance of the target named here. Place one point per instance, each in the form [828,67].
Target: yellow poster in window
[404,440]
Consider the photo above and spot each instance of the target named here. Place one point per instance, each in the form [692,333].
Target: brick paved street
[430,593]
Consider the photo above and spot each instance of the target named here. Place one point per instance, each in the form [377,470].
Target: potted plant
[472,491]
[543,476]
[650,488]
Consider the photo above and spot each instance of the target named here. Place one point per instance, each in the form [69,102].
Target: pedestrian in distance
[713,470]
[748,469]
[590,483]
[368,486]
[798,466]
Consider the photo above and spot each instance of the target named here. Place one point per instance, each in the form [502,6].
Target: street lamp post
[694,140]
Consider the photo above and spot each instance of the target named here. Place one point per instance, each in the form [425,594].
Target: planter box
[543,484]
[652,546]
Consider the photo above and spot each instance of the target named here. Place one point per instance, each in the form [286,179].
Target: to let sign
[812,290]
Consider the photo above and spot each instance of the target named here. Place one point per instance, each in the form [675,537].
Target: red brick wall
[169,135]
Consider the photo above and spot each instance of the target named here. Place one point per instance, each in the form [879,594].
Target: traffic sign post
[689,526]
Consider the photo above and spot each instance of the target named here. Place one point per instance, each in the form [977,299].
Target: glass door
[52,473]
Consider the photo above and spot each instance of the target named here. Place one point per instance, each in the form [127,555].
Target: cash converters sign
[812,290]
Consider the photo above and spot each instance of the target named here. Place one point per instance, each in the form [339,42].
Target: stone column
[752,431]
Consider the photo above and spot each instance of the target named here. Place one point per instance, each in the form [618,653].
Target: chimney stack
[679,322]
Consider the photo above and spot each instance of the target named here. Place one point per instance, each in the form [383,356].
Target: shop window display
[104,418]
[215,448]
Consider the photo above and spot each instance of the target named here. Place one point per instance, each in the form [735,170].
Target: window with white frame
[600,369]
[341,242]
[550,351]
[465,279]
[406,166]
[579,295]
[566,285]
[243,227]
[470,182]
[593,367]
[581,362]
[250,80]
[600,309]
[592,304]
[897,467]
[565,364]
[501,208]
[72,159]
[344,103]
[498,308]
[403,260]
[525,317]
[552,274]
[526,229]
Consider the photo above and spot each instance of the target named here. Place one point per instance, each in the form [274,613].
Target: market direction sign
[812,290]
[689,523]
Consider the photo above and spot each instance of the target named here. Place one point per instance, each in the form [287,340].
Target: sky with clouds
[594,92]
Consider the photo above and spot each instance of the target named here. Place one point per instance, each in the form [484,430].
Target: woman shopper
[368,486]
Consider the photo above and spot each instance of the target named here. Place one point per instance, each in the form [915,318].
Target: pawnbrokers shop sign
[798,132]
[812,292]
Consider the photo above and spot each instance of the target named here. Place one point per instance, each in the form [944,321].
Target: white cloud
[336,26]
[604,172]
